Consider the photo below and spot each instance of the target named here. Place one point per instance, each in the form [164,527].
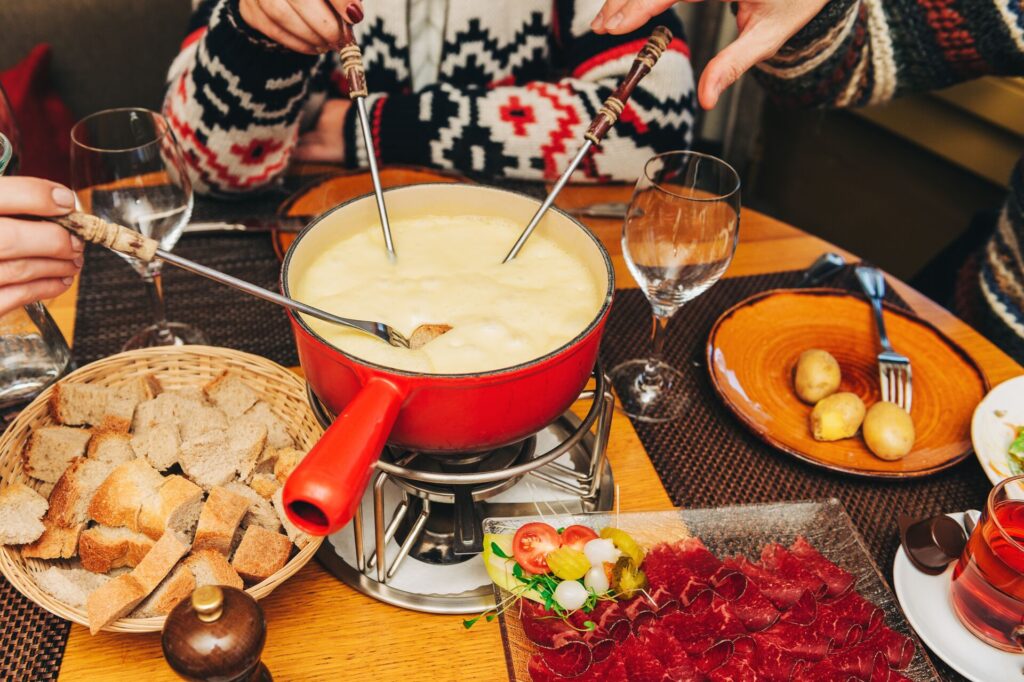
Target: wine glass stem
[154,283]
[651,377]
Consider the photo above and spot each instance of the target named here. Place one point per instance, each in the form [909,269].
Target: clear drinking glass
[126,167]
[33,352]
[678,238]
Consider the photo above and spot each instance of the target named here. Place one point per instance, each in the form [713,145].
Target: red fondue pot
[436,413]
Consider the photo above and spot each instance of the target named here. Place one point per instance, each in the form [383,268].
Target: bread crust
[219,519]
[261,554]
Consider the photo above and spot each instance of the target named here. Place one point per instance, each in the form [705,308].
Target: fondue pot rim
[594,323]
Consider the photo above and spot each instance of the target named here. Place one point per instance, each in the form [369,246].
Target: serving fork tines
[894,373]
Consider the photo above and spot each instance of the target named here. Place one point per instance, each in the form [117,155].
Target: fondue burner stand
[423,513]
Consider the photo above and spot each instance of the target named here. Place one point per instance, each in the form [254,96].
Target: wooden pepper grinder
[217,636]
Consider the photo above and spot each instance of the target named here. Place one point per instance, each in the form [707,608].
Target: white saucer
[926,603]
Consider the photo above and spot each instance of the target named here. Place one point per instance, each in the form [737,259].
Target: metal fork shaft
[873,283]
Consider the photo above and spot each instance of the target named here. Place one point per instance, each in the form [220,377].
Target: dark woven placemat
[708,458]
[31,638]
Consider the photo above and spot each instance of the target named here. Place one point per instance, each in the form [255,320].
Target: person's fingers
[313,147]
[34,196]
[36,239]
[630,15]
[608,10]
[29,269]
[752,46]
[319,18]
[349,10]
[17,295]
[273,29]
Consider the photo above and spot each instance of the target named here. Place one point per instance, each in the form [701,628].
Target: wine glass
[9,150]
[126,167]
[678,238]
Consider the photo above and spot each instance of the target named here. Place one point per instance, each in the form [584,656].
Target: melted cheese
[449,271]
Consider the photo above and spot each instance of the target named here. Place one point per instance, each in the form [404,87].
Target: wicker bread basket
[176,368]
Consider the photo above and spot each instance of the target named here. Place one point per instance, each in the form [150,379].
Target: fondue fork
[605,119]
[131,243]
[352,67]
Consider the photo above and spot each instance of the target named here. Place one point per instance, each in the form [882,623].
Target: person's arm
[38,259]
[858,52]
[531,131]
[235,96]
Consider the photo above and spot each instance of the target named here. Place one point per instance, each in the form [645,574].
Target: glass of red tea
[988,582]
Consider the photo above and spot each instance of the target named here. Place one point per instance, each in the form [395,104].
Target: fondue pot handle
[642,65]
[116,237]
[324,491]
[352,63]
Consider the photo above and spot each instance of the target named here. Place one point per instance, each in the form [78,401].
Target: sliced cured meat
[543,628]
[600,647]
[838,581]
[693,591]
[570,660]
[640,610]
[753,609]
[898,649]
[734,671]
[821,671]
[691,631]
[860,660]
[663,569]
[773,664]
[803,612]
[715,656]
[696,559]
[781,561]
[664,601]
[641,663]
[611,669]
[611,619]
[698,602]
[665,648]
[799,640]
[540,672]
[849,609]
[781,591]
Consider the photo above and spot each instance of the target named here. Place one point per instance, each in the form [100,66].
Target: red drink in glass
[988,582]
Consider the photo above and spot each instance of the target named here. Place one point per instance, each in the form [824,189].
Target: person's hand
[764,25]
[326,142]
[306,26]
[38,259]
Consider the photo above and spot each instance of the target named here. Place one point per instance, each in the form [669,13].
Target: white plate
[993,427]
[926,602]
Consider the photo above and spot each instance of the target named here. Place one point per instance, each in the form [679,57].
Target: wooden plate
[755,344]
[336,189]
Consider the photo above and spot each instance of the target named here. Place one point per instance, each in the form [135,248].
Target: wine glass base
[663,401]
[180,334]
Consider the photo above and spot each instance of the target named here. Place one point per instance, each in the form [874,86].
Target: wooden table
[320,629]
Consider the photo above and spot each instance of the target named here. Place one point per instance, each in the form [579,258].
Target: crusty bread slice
[260,512]
[159,561]
[169,407]
[219,519]
[50,450]
[102,548]
[176,506]
[71,496]
[69,585]
[208,460]
[159,445]
[21,514]
[287,460]
[56,542]
[277,430]
[261,554]
[111,446]
[231,394]
[210,567]
[112,600]
[264,485]
[201,420]
[247,442]
[298,537]
[78,404]
[175,587]
[118,500]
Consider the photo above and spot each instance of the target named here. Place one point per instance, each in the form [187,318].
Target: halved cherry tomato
[577,536]
[531,545]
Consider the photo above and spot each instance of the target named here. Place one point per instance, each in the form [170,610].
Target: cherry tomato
[531,545]
[577,536]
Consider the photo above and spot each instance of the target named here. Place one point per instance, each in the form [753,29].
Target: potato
[836,417]
[888,431]
[815,376]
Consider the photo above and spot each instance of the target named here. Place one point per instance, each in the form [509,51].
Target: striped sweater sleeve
[531,130]
[859,52]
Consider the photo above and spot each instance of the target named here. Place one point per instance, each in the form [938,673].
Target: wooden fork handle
[116,237]
[642,65]
[352,62]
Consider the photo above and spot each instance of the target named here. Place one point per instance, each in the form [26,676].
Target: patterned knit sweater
[858,52]
[519,82]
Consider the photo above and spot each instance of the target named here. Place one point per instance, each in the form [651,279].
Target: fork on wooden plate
[894,375]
